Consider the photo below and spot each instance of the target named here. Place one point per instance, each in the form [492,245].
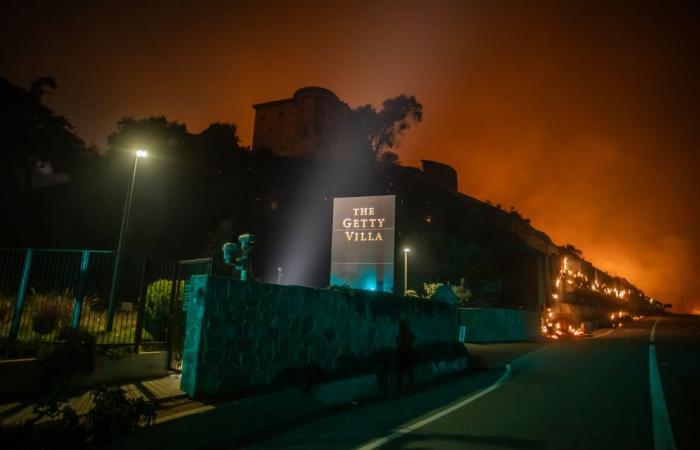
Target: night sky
[582,115]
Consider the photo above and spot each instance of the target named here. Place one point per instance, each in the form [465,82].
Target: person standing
[405,358]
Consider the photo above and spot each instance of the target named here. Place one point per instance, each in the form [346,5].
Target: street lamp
[122,240]
[406,251]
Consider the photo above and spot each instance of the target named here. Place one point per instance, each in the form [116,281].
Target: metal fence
[44,291]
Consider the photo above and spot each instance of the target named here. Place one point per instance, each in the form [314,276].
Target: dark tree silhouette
[217,146]
[158,135]
[32,133]
[384,128]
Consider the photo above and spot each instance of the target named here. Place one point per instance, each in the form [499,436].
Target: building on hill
[312,122]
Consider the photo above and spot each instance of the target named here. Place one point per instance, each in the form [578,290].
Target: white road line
[604,334]
[653,331]
[441,413]
[661,424]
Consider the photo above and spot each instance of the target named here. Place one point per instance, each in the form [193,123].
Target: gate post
[141,307]
[172,316]
[21,292]
[80,289]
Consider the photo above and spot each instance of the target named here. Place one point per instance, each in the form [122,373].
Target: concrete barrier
[499,325]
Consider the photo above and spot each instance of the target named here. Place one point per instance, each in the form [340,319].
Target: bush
[461,291]
[6,311]
[114,414]
[58,426]
[48,316]
[157,308]
[68,359]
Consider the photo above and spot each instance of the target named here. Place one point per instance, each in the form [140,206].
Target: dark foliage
[57,426]
[114,414]
[74,355]
[47,317]
[60,428]
[31,133]
[384,128]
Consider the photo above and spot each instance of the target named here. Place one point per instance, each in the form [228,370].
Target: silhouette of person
[404,354]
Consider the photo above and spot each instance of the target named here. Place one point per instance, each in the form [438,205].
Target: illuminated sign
[362,252]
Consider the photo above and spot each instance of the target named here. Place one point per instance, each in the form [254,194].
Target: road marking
[442,413]
[604,334]
[653,331]
[661,424]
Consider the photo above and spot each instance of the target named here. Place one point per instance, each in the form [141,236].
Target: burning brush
[559,329]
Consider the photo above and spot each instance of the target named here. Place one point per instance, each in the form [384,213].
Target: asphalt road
[574,394]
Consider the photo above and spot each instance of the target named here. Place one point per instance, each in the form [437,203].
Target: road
[585,393]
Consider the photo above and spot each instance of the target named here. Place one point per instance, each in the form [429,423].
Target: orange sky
[582,115]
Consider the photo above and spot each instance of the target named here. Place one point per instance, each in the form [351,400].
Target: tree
[217,146]
[389,158]
[155,134]
[383,129]
[31,133]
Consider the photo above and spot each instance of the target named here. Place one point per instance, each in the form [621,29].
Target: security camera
[229,249]
[246,241]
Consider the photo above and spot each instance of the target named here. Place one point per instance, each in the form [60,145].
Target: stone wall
[244,335]
[499,325]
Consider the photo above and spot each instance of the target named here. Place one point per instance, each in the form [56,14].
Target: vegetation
[461,291]
[157,311]
[73,356]
[32,133]
[114,414]
[56,425]
[49,313]
[7,309]
[383,129]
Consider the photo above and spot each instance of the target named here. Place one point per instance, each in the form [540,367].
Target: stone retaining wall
[245,335]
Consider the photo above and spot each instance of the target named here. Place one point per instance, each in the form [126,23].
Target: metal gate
[184,271]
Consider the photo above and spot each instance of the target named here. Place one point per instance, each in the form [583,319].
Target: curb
[233,421]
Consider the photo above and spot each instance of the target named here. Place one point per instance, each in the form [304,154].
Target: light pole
[406,251]
[122,241]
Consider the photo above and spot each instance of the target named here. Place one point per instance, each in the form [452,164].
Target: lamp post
[122,241]
[406,251]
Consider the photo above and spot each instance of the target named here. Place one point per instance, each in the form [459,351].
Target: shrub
[58,426]
[48,316]
[74,356]
[157,308]
[461,291]
[6,310]
[114,414]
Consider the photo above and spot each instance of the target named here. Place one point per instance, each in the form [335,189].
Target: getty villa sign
[362,252]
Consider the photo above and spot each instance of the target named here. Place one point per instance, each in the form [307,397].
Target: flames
[578,280]
[558,329]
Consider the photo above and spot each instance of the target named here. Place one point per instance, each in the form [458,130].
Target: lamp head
[141,153]
[407,250]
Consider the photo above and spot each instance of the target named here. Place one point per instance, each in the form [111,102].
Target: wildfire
[559,329]
[579,280]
